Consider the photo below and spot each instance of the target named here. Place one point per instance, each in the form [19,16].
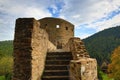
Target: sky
[88,16]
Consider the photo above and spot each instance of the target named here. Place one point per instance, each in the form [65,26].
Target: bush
[6,64]
[2,77]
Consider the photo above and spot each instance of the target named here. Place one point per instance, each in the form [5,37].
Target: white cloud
[21,9]
[83,35]
[87,11]
[37,13]
[115,21]
[76,11]
[11,10]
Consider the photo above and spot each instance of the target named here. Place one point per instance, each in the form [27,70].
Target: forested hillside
[6,48]
[101,44]
[6,59]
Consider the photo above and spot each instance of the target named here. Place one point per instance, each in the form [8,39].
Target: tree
[101,44]
[114,66]
[6,64]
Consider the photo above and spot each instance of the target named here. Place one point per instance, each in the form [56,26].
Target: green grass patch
[105,76]
[2,77]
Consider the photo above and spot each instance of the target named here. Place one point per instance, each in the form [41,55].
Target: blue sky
[88,16]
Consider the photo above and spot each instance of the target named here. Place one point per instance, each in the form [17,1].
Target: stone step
[57,62]
[56,67]
[55,70]
[58,53]
[55,78]
[59,57]
[56,73]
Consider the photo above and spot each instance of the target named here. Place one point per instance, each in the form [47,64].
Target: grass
[105,76]
[2,78]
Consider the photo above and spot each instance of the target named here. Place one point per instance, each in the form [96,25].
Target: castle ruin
[46,49]
[59,30]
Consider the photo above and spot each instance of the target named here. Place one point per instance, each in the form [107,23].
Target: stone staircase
[57,66]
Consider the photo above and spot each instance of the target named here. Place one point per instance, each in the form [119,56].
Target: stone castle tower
[36,56]
[59,30]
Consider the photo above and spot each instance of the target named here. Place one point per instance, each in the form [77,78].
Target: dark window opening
[45,25]
[66,28]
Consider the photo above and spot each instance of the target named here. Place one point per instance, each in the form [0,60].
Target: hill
[6,59]
[6,48]
[101,44]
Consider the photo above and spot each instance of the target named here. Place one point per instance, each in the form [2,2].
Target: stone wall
[31,44]
[82,67]
[51,47]
[77,47]
[30,47]
[59,30]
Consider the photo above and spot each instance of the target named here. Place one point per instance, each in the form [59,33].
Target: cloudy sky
[88,16]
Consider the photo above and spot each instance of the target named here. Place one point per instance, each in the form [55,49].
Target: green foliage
[105,76]
[6,64]
[6,48]
[6,59]
[99,74]
[8,76]
[2,78]
[102,75]
[101,44]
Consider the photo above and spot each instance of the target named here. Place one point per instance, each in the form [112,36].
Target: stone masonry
[59,30]
[82,67]
[77,47]
[30,46]
[34,38]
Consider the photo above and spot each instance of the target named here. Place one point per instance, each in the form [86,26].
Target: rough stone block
[83,69]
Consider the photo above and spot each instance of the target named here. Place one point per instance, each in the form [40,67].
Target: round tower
[59,30]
